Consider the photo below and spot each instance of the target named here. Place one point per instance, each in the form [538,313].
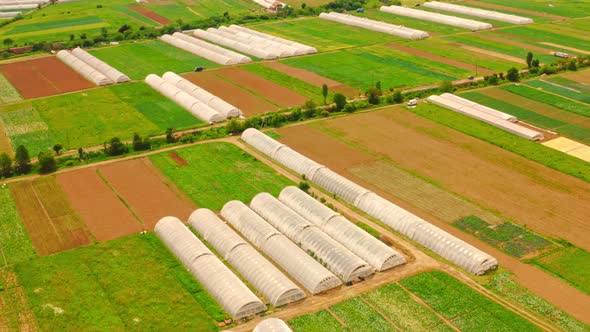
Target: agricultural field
[566,264]
[8,94]
[550,99]
[219,172]
[433,28]
[129,283]
[566,81]
[563,91]
[152,57]
[563,8]
[542,36]
[15,244]
[92,117]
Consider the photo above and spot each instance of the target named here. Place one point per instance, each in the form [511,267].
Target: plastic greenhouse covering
[220,282]
[83,69]
[479,107]
[477,12]
[272,325]
[234,56]
[363,22]
[8,14]
[267,3]
[261,274]
[110,72]
[292,259]
[305,48]
[436,17]
[198,50]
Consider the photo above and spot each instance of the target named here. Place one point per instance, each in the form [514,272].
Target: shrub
[340,101]
[47,163]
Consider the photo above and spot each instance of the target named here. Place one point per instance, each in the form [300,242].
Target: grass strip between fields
[15,242]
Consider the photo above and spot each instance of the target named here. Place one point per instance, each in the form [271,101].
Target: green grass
[502,283]
[368,229]
[92,117]
[359,316]
[206,9]
[303,88]
[521,146]
[135,15]
[549,99]
[126,284]
[174,12]
[571,130]
[363,67]
[570,264]
[325,35]
[55,24]
[570,84]
[8,94]
[153,57]
[530,32]
[463,306]
[218,173]
[579,96]
[565,8]
[321,321]
[508,237]
[397,305]
[14,240]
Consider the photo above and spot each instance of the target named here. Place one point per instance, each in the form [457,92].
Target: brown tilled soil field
[263,87]
[313,78]
[146,191]
[51,222]
[5,142]
[43,77]
[102,211]
[248,102]
[149,14]
[580,76]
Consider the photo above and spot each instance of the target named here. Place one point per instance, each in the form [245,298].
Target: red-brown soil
[177,158]
[102,211]
[141,185]
[438,58]
[512,9]
[43,77]
[313,78]
[249,103]
[5,142]
[580,76]
[268,89]
[149,14]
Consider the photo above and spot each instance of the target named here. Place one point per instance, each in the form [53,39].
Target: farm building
[477,12]
[262,274]
[309,273]
[370,249]
[107,70]
[336,257]
[436,17]
[396,30]
[220,282]
[441,242]
[272,325]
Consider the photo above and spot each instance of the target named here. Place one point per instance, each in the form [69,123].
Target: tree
[5,166]
[22,161]
[47,163]
[304,186]
[512,75]
[309,105]
[57,148]
[169,135]
[83,36]
[325,92]
[446,86]
[535,63]
[233,126]
[80,153]
[529,59]
[378,85]
[340,101]
[572,65]
[116,147]
[140,144]
[373,95]
[104,33]
[7,42]
[492,79]
[72,37]
[398,97]
[124,28]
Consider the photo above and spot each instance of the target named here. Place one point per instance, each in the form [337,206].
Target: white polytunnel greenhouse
[215,36]
[8,14]
[305,48]
[220,282]
[262,274]
[478,12]
[267,44]
[292,259]
[235,56]
[336,257]
[83,69]
[188,102]
[110,72]
[363,22]
[441,242]
[219,105]
[479,107]
[198,50]
[364,245]
[272,325]
[478,114]
[17,6]
[436,17]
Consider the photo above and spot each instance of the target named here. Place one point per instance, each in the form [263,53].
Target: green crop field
[153,57]
[218,173]
[431,27]
[55,24]
[550,99]
[133,283]
[15,243]
[563,127]
[325,35]
[316,322]
[92,117]
[541,35]
[125,10]
[563,81]
[206,9]
[569,264]
[507,237]
[559,7]
[521,146]
[174,12]
[466,308]
[568,93]
[363,67]
[359,316]
[8,94]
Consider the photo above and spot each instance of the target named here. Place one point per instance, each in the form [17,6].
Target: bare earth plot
[43,77]
[102,211]
[139,183]
[149,14]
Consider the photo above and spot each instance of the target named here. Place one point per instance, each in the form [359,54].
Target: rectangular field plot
[433,28]
[129,283]
[153,57]
[43,77]
[363,67]
[145,12]
[8,93]
[359,316]
[206,9]
[325,35]
[173,12]
[52,223]
[559,8]
[539,35]
[219,172]
[550,99]
[563,91]
[569,81]
[570,265]
[15,244]
[319,321]
[466,308]
[570,147]
[49,25]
